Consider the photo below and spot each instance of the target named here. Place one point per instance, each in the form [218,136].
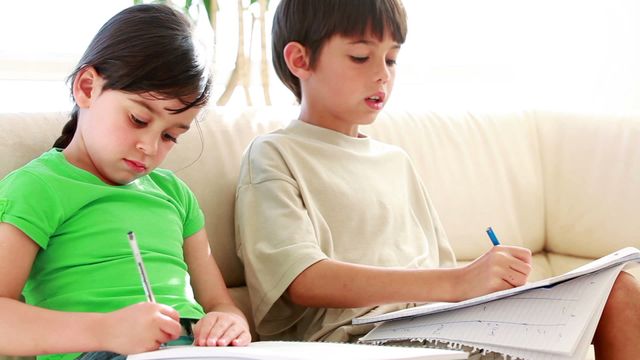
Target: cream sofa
[567,186]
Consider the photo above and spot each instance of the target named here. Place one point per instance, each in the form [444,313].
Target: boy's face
[350,82]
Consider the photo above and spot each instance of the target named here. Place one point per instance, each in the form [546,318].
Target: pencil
[492,236]
[143,273]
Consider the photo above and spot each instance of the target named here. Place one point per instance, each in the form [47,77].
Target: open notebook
[293,350]
[553,318]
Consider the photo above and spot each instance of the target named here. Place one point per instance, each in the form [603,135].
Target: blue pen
[492,236]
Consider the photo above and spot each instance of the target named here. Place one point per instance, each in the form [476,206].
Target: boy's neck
[344,127]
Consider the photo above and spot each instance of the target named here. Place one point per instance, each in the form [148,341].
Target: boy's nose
[383,74]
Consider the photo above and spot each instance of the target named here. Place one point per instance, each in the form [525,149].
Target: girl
[67,213]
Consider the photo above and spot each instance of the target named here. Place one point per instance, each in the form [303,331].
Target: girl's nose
[147,146]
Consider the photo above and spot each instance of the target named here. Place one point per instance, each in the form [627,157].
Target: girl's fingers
[230,334]
[242,340]
[221,330]
[217,331]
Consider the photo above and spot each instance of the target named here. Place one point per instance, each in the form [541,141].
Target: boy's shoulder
[300,135]
[269,141]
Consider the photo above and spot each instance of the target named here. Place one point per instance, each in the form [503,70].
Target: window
[556,54]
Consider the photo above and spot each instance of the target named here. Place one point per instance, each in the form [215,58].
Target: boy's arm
[27,330]
[212,294]
[335,284]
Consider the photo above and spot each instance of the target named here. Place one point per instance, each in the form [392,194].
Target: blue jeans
[101,355]
[106,355]
[185,339]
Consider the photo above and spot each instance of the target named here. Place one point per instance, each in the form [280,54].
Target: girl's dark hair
[312,22]
[146,48]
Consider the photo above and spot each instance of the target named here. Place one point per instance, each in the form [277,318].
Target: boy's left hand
[221,329]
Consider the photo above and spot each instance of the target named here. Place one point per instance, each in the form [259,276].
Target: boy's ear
[86,86]
[297,58]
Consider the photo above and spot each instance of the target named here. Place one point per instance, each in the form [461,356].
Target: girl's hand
[140,327]
[502,267]
[221,329]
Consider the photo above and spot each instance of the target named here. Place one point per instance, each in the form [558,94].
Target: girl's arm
[334,284]
[224,324]
[27,330]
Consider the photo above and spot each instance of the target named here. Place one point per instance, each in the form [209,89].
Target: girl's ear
[86,86]
[297,58]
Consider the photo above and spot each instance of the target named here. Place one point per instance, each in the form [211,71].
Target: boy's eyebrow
[368,42]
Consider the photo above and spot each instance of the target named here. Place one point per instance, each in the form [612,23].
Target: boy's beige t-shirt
[308,193]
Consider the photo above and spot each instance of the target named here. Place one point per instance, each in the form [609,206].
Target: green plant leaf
[255,1]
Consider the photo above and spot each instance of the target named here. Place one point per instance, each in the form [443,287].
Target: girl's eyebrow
[144,105]
[155,112]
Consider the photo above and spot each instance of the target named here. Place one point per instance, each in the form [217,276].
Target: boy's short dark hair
[312,22]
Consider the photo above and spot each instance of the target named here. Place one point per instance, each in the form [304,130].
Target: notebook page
[299,350]
[581,349]
[553,319]
[612,260]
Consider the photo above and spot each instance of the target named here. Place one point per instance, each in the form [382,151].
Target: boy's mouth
[375,101]
[378,97]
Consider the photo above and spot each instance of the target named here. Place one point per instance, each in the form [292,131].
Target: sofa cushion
[592,182]
[556,183]
[480,170]
[208,159]
[24,136]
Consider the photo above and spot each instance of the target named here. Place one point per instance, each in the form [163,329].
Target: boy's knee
[625,292]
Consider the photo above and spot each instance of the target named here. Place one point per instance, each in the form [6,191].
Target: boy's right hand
[140,327]
[500,268]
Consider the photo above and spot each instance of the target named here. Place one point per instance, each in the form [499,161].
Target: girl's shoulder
[166,178]
[170,184]
[35,172]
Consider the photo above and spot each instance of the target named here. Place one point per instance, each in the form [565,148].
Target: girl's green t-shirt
[81,224]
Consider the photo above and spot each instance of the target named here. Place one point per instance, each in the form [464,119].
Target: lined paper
[622,256]
[557,322]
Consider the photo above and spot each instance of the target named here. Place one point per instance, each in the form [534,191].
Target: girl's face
[122,136]
[350,82]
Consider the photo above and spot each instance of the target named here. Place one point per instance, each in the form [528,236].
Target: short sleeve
[29,204]
[176,188]
[194,217]
[275,240]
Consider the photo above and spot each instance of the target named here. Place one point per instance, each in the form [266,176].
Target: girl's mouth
[136,165]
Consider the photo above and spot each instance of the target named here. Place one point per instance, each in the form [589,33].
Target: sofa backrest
[567,186]
[591,171]
[210,165]
[480,169]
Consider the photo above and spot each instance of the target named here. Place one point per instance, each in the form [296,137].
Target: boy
[332,225]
